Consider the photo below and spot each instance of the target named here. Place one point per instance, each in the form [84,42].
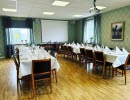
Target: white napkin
[95,48]
[82,45]
[118,51]
[69,44]
[124,51]
[102,46]
[65,44]
[107,50]
[78,45]
[74,45]
[99,48]
[73,42]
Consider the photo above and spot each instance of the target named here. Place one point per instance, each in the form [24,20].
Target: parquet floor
[74,83]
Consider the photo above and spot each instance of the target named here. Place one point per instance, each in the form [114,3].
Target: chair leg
[125,76]
[103,71]
[122,73]
[50,86]
[112,72]
[52,74]
[116,71]
[56,75]
[33,87]
[109,71]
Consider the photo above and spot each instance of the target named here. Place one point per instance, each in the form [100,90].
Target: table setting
[28,54]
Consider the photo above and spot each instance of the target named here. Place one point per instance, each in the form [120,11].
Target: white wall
[54,31]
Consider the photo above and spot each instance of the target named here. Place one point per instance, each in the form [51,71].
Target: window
[89,31]
[19,35]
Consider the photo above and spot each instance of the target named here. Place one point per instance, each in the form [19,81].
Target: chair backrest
[65,48]
[127,62]
[62,47]
[89,54]
[41,67]
[17,55]
[16,62]
[82,51]
[70,49]
[99,56]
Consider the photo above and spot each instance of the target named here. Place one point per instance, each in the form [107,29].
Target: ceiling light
[78,15]
[98,7]
[48,13]
[60,3]
[9,10]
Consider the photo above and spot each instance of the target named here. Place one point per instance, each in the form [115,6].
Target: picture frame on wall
[117,30]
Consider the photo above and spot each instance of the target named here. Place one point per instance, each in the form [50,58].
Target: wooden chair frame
[46,79]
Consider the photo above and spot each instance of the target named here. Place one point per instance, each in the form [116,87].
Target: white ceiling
[35,8]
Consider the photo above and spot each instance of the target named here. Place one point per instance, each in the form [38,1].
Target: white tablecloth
[115,59]
[26,61]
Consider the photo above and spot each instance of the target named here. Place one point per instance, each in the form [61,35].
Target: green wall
[37,31]
[79,32]
[71,31]
[118,15]
[2,54]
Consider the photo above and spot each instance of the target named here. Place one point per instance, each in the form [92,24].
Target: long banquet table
[27,56]
[112,57]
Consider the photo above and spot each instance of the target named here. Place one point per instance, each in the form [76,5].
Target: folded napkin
[74,45]
[82,45]
[69,44]
[73,42]
[65,44]
[107,50]
[78,45]
[95,48]
[124,51]
[102,46]
[118,51]
[99,48]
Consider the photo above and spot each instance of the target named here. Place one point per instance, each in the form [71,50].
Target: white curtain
[88,31]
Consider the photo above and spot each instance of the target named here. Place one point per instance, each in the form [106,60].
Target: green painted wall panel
[79,32]
[118,15]
[1,39]
[37,31]
[71,31]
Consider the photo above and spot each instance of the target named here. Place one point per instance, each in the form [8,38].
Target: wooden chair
[100,61]
[82,55]
[17,55]
[41,71]
[65,51]
[61,50]
[89,57]
[54,70]
[71,53]
[17,68]
[125,67]
[26,78]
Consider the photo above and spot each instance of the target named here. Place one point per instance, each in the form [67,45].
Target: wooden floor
[74,83]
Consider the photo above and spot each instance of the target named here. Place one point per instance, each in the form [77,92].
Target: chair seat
[122,67]
[101,63]
[42,76]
